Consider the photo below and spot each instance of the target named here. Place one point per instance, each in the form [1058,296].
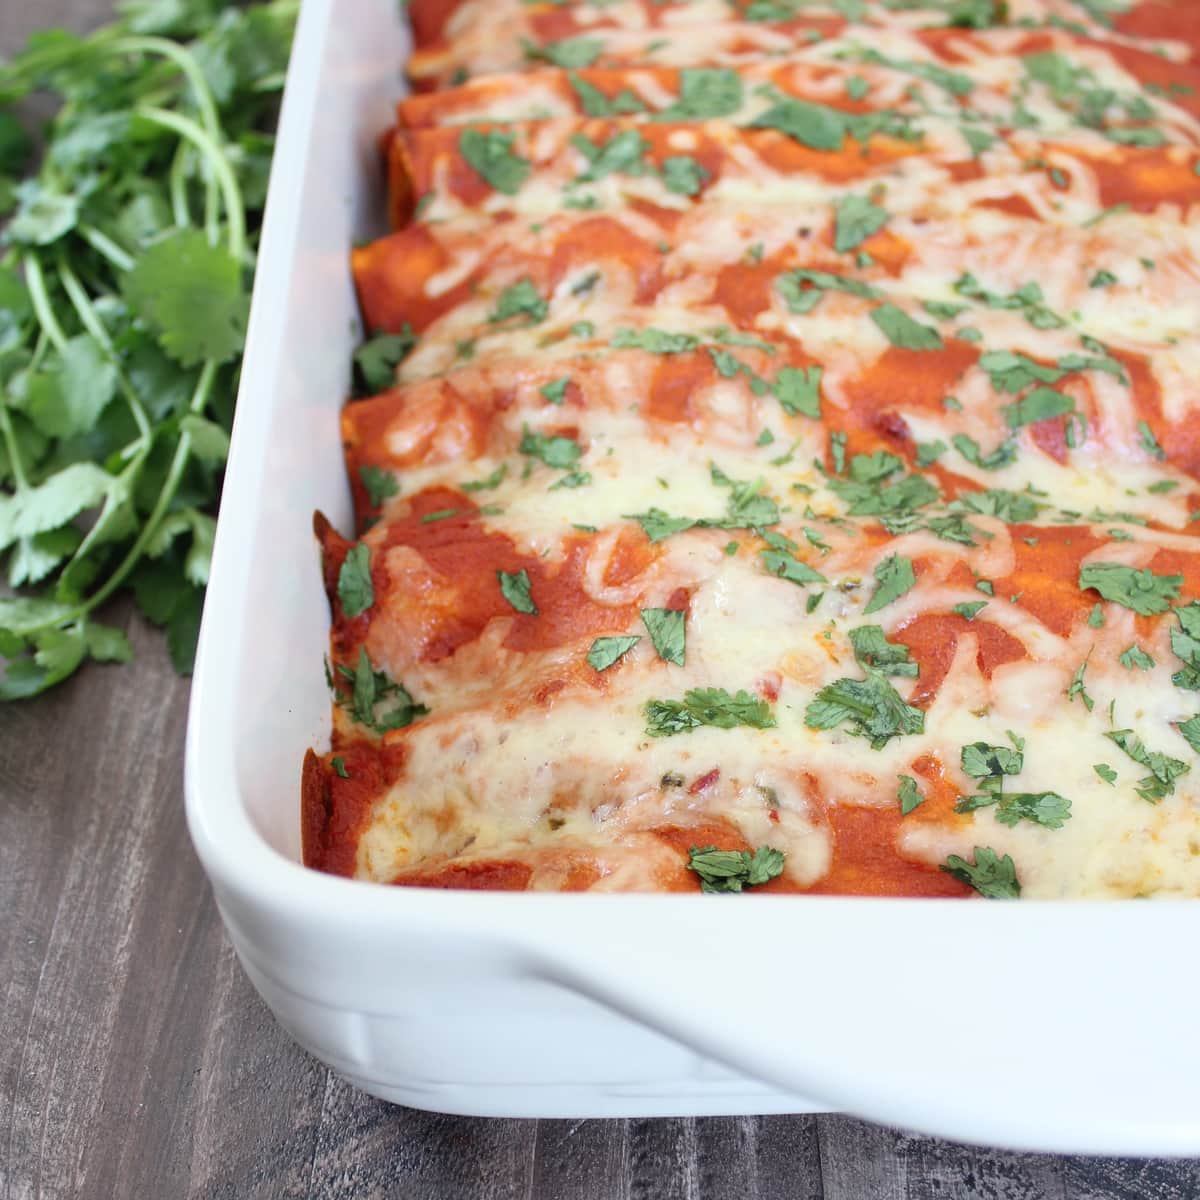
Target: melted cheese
[525,466]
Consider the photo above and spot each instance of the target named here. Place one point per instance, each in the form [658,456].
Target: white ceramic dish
[1056,1027]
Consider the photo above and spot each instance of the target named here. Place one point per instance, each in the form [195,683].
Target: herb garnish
[734,870]
[990,875]
[707,706]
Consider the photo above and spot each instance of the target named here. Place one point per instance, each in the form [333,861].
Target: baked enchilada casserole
[775,455]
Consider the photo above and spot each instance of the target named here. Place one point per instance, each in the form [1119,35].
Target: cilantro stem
[178,187]
[35,283]
[190,69]
[88,317]
[235,214]
[183,450]
[106,247]
[10,444]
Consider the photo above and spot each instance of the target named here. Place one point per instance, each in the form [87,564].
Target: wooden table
[138,1062]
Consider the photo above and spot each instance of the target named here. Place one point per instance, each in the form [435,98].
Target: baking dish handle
[941,1017]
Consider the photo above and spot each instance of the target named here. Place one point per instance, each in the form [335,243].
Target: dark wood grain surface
[136,1061]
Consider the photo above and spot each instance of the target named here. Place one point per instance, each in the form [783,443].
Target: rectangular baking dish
[1064,1027]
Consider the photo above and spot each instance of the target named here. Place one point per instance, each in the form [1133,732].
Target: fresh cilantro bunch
[125,267]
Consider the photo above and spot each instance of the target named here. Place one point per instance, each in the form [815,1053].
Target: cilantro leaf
[491,155]
[981,760]
[707,706]
[377,701]
[1039,405]
[1134,657]
[734,870]
[657,524]
[520,299]
[683,175]
[970,609]
[607,650]
[856,219]
[556,390]
[895,577]
[1164,770]
[990,875]
[1185,642]
[517,590]
[623,154]
[381,485]
[559,452]
[812,125]
[798,390]
[871,706]
[68,401]
[376,360]
[801,299]
[705,93]
[902,331]
[656,341]
[1190,730]
[569,52]
[190,294]
[1143,591]
[785,565]
[874,651]
[596,104]
[909,795]
[667,629]
[355,589]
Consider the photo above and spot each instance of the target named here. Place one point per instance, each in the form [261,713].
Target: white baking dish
[1049,1026]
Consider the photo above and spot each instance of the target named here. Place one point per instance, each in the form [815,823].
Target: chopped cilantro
[970,609]
[990,875]
[562,453]
[1136,657]
[354,587]
[802,299]
[734,870]
[555,391]
[1078,687]
[798,390]
[683,175]
[491,155]
[656,341]
[1105,772]
[902,331]
[376,701]
[1038,405]
[376,360]
[857,218]
[871,706]
[623,154]
[596,104]
[908,794]
[895,577]
[338,763]
[520,299]
[873,650]
[1143,591]
[516,589]
[1164,770]
[707,706]
[812,125]
[568,52]
[607,650]
[380,485]
[667,629]
[1185,642]
[487,484]
[704,94]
